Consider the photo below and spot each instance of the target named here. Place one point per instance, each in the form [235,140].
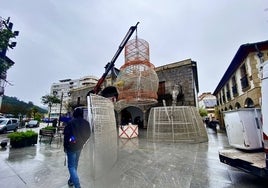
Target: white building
[62,90]
[208,101]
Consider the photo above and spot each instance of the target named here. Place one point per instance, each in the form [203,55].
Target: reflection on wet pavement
[137,163]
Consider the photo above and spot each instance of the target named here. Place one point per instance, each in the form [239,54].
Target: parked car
[48,120]
[32,123]
[9,124]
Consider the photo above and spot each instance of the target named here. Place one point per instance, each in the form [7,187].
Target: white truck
[247,132]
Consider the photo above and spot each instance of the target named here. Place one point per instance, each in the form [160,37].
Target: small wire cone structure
[137,82]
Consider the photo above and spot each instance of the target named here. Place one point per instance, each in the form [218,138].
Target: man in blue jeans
[76,133]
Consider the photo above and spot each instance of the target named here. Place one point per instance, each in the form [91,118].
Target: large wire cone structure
[137,81]
[176,124]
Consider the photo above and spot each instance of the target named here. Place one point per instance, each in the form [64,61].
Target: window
[228,95]
[221,99]
[78,100]
[237,105]
[249,103]
[223,95]
[161,88]
[14,121]
[244,78]
[234,86]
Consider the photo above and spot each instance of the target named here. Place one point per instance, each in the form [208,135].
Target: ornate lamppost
[6,34]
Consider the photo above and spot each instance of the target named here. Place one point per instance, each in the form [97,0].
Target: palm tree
[34,111]
[50,100]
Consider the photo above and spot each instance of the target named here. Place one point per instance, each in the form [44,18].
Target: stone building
[180,78]
[240,86]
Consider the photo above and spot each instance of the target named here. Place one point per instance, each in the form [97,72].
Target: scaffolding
[176,124]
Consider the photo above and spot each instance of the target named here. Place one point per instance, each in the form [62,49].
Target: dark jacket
[76,133]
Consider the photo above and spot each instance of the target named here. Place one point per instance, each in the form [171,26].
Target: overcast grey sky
[71,39]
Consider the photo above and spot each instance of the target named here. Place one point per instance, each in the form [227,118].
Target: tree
[34,111]
[203,112]
[50,100]
[12,105]
[5,36]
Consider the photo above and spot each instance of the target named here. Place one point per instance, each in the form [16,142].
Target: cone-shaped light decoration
[137,81]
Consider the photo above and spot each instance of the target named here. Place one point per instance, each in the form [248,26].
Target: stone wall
[180,73]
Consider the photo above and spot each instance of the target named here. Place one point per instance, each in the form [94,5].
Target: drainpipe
[264,101]
[264,89]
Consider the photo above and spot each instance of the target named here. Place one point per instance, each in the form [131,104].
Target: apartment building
[240,86]
[63,90]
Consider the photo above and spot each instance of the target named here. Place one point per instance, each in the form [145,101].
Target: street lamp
[5,63]
[7,25]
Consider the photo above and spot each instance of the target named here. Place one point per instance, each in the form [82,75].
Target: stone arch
[249,103]
[132,114]
[230,107]
[237,105]
[110,92]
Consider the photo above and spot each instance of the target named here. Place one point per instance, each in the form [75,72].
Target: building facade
[240,86]
[179,78]
[64,90]
[208,102]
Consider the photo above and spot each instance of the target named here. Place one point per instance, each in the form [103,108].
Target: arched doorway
[249,103]
[132,115]
[110,92]
[237,105]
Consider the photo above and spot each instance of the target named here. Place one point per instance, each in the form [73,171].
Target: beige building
[64,89]
[208,102]
[240,86]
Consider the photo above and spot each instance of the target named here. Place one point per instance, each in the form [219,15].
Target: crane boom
[110,65]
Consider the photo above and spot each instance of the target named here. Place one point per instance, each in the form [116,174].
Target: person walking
[76,133]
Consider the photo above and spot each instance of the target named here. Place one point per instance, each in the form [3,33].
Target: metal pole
[1,98]
[49,105]
[264,109]
[60,107]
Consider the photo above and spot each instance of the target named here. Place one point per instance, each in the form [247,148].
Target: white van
[8,124]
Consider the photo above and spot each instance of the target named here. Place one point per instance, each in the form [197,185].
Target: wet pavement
[139,163]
